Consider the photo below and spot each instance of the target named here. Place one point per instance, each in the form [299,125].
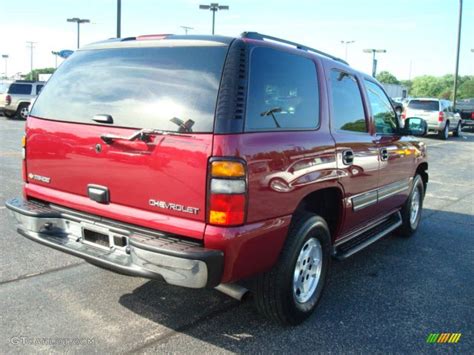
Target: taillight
[472,115]
[23,156]
[441,117]
[227,202]
[8,100]
[404,114]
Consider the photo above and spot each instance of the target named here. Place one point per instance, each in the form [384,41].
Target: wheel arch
[326,202]
[422,170]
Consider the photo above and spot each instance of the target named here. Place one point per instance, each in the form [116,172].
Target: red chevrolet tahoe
[207,160]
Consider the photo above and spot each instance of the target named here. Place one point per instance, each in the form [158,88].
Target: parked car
[153,156]
[397,106]
[16,99]
[466,109]
[439,115]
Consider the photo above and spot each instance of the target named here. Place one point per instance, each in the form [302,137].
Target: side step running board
[368,237]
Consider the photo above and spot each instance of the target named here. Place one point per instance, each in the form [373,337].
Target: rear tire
[411,211]
[444,134]
[22,111]
[291,290]
[458,131]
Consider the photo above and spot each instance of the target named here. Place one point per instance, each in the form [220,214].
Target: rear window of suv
[427,105]
[156,87]
[20,89]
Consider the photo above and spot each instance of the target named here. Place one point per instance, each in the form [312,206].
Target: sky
[419,35]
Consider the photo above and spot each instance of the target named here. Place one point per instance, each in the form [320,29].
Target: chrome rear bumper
[150,255]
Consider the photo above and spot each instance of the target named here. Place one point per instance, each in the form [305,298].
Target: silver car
[438,114]
[16,99]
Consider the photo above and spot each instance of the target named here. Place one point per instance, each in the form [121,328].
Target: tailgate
[429,116]
[168,169]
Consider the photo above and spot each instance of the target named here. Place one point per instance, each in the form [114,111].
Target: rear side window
[427,105]
[20,89]
[283,92]
[158,87]
[347,108]
[38,89]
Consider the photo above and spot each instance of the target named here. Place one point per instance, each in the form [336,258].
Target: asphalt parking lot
[387,298]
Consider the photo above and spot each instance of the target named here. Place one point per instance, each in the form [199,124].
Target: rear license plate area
[96,238]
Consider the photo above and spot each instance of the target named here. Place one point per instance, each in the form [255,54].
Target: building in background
[396,90]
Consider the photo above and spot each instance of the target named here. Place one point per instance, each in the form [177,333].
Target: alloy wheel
[307,271]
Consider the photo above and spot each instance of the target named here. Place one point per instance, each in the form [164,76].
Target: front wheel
[9,115]
[411,211]
[458,131]
[290,292]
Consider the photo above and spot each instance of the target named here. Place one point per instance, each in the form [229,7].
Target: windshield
[428,105]
[139,87]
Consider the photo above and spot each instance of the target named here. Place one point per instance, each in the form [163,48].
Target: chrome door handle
[384,154]
[348,157]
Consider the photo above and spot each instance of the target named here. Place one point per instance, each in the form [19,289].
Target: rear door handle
[348,157]
[384,154]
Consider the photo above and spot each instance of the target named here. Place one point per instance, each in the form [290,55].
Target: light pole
[55,58]
[346,44]
[32,46]
[374,61]
[5,57]
[214,7]
[119,18]
[78,21]
[186,29]
[456,71]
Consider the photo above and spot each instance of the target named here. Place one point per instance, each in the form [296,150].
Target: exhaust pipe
[233,290]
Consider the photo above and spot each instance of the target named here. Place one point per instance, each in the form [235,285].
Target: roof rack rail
[262,37]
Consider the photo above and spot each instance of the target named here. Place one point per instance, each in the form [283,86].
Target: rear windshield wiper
[183,126]
[143,135]
[272,112]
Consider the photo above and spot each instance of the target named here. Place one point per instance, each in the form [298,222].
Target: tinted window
[346,100]
[385,119]
[138,87]
[38,89]
[428,105]
[20,89]
[283,92]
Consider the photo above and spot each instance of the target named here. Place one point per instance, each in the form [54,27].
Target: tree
[387,78]
[34,74]
[466,89]
[427,86]
[407,83]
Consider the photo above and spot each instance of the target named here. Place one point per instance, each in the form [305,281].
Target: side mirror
[415,126]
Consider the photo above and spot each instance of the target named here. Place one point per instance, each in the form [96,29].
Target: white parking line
[450,198]
[450,183]
[436,144]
